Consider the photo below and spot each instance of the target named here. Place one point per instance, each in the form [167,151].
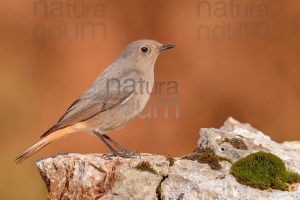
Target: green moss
[291,177]
[237,143]
[159,192]
[171,161]
[145,166]
[263,170]
[207,156]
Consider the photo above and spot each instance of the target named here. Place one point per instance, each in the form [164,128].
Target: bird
[115,97]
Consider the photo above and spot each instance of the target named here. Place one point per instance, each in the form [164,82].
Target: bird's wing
[83,109]
[95,100]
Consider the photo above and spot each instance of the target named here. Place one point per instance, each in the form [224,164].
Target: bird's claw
[122,154]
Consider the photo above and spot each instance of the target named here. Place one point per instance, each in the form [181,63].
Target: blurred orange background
[233,58]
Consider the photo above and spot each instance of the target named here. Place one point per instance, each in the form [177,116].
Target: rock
[76,176]
[92,176]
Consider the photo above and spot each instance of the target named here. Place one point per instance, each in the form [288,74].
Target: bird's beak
[166,46]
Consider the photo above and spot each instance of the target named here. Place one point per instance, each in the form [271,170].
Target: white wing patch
[125,100]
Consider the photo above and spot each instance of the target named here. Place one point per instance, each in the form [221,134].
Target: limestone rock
[76,176]
[92,176]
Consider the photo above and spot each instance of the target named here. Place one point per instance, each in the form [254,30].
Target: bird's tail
[41,144]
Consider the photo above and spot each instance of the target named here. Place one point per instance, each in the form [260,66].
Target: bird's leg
[110,143]
[122,149]
[100,135]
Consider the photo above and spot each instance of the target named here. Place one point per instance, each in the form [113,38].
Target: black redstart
[117,95]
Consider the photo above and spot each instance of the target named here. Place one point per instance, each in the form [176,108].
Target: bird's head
[143,52]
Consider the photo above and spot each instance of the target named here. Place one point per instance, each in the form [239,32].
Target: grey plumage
[114,98]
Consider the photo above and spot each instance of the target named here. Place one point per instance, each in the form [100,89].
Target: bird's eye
[144,49]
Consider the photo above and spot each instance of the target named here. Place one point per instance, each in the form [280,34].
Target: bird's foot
[129,154]
[122,154]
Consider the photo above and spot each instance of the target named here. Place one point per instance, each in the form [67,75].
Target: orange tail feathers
[41,144]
